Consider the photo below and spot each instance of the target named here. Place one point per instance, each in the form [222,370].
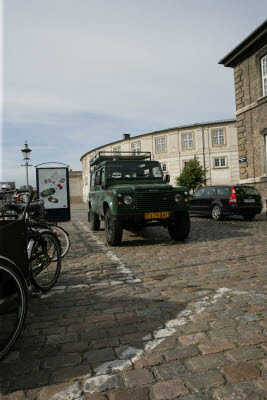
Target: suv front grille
[152,201]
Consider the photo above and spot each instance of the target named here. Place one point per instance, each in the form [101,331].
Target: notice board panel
[53,187]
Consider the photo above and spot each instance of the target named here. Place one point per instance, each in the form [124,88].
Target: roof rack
[123,155]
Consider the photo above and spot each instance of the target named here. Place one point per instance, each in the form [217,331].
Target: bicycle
[37,220]
[36,252]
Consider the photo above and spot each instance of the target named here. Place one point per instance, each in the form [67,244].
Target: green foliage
[193,175]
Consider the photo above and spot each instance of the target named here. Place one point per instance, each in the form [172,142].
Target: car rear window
[246,190]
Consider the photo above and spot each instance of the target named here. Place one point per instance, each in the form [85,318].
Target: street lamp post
[26,155]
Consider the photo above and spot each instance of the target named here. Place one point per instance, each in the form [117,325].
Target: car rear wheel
[113,230]
[216,213]
[95,221]
[248,216]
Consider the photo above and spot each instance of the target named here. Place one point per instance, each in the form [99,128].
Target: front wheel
[113,230]
[13,305]
[45,261]
[216,213]
[180,228]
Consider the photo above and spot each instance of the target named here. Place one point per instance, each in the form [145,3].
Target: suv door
[209,196]
[92,194]
[223,194]
[196,201]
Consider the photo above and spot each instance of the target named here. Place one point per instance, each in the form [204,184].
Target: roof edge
[164,130]
[257,34]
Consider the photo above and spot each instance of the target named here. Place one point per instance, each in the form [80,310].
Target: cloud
[79,74]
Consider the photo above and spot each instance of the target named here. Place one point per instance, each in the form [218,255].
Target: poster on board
[53,189]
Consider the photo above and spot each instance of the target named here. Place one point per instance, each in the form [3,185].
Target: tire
[95,221]
[113,230]
[63,238]
[249,216]
[13,305]
[216,213]
[180,228]
[45,261]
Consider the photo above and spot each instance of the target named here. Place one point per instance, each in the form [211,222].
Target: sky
[78,74]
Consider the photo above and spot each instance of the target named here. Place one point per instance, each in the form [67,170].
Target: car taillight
[233,197]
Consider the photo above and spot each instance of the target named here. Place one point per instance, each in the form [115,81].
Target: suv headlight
[128,200]
[178,198]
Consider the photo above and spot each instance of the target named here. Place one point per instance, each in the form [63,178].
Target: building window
[186,163]
[264,75]
[117,149]
[218,137]
[188,140]
[164,167]
[160,144]
[136,147]
[220,162]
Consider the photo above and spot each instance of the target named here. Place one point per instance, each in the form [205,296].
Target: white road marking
[151,341]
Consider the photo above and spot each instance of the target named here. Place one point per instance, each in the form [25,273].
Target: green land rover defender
[129,191]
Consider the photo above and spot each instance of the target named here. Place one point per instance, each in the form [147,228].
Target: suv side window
[224,191]
[92,180]
[211,191]
[199,192]
[102,176]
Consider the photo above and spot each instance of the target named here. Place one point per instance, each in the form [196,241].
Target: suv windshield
[134,170]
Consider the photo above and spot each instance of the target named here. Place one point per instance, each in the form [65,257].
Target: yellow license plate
[157,215]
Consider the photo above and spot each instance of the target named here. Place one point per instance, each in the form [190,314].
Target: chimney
[126,136]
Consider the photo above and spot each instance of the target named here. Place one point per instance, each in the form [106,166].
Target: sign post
[53,187]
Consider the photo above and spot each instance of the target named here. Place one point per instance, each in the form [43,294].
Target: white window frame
[188,140]
[220,139]
[264,75]
[117,149]
[136,147]
[220,163]
[162,167]
[161,144]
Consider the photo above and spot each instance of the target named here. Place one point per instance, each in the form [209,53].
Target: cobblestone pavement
[150,320]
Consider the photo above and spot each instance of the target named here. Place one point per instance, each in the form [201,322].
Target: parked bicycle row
[31,250]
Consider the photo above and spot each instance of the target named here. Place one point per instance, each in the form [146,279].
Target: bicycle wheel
[45,260]
[63,238]
[13,305]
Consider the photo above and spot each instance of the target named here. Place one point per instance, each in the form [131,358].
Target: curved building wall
[214,143]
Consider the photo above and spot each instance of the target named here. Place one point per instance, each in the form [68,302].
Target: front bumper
[140,217]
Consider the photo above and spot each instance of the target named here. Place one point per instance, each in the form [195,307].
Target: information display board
[53,187]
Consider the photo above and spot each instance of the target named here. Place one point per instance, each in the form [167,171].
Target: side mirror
[97,180]
[167,178]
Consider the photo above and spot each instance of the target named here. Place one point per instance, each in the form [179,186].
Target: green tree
[193,175]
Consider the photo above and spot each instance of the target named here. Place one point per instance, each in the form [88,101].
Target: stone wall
[251,116]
